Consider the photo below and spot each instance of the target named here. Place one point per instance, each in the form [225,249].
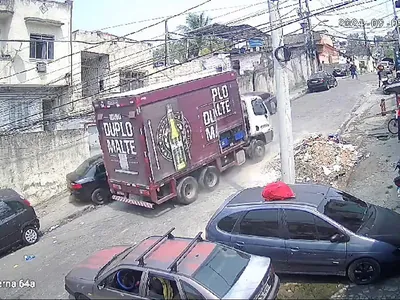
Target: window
[5,211]
[155,288]
[126,280]
[131,80]
[346,210]
[300,225]
[101,169]
[227,223]
[262,223]
[190,292]
[19,111]
[42,46]
[324,229]
[16,206]
[258,107]
[221,270]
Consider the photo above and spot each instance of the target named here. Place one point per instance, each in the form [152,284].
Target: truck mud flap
[133,202]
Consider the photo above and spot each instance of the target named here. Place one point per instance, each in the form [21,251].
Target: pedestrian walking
[353,71]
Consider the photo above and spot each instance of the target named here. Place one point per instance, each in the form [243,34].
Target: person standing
[380,73]
[353,71]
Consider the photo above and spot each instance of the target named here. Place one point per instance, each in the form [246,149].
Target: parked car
[89,181]
[268,99]
[189,269]
[321,81]
[322,231]
[18,220]
[339,72]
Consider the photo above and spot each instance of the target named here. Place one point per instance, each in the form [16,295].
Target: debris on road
[29,257]
[325,161]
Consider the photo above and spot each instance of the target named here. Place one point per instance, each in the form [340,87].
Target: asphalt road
[58,251]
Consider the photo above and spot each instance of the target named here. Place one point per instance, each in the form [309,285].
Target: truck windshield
[221,270]
[258,107]
[346,210]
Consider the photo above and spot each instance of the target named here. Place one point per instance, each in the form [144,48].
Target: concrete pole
[282,97]
[313,51]
[396,22]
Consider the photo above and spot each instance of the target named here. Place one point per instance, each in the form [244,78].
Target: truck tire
[209,178]
[258,151]
[187,190]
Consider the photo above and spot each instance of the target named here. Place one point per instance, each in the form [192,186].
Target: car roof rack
[174,266]
[167,235]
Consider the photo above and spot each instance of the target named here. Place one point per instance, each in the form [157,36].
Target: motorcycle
[397,179]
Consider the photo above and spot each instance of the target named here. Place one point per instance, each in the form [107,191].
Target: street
[58,251]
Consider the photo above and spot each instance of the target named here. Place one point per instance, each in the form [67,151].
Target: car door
[101,176]
[108,287]
[308,244]
[259,232]
[9,230]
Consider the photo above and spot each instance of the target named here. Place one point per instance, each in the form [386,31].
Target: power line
[159,71]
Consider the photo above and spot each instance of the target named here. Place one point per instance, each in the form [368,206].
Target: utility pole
[71,2]
[311,41]
[282,96]
[166,48]
[366,43]
[303,25]
[396,22]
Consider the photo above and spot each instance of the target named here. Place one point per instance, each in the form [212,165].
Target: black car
[321,81]
[18,220]
[339,72]
[268,99]
[89,181]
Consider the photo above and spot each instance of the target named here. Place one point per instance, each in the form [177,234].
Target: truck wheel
[209,178]
[187,190]
[258,151]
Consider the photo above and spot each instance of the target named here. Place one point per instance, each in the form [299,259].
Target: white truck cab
[258,125]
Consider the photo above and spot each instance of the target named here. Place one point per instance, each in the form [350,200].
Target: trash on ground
[326,162]
[29,257]
[53,227]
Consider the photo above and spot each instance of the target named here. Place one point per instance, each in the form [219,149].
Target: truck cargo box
[151,135]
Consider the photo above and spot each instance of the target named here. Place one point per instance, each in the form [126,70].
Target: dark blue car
[322,231]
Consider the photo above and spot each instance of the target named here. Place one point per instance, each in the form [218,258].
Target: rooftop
[309,194]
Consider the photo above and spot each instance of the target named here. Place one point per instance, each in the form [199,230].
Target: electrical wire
[260,25]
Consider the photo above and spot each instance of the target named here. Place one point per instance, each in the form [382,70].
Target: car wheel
[209,178]
[327,87]
[100,196]
[187,190]
[364,271]
[258,151]
[310,90]
[30,235]
[335,84]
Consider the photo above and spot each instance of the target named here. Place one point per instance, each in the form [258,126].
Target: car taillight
[27,202]
[76,186]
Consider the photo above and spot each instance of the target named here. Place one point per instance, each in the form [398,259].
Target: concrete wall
[15,27]
[35,164]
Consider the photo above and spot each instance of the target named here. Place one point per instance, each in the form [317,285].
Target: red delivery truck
[168,140]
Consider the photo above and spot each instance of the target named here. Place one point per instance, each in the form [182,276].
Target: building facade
[34,60]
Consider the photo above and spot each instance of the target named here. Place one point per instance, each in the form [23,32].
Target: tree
[177,51]
[193,23]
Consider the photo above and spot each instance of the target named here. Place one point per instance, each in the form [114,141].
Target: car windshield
[317,75]
[221,270]
[258,107]
[86,165]
[346,210]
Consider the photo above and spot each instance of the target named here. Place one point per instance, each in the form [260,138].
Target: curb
[70,218]
[298,95]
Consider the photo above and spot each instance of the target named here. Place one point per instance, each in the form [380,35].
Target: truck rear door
[120,140]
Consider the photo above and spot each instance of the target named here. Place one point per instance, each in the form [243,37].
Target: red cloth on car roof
[277,191]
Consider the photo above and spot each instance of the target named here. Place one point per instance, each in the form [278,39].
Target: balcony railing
[6,7]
